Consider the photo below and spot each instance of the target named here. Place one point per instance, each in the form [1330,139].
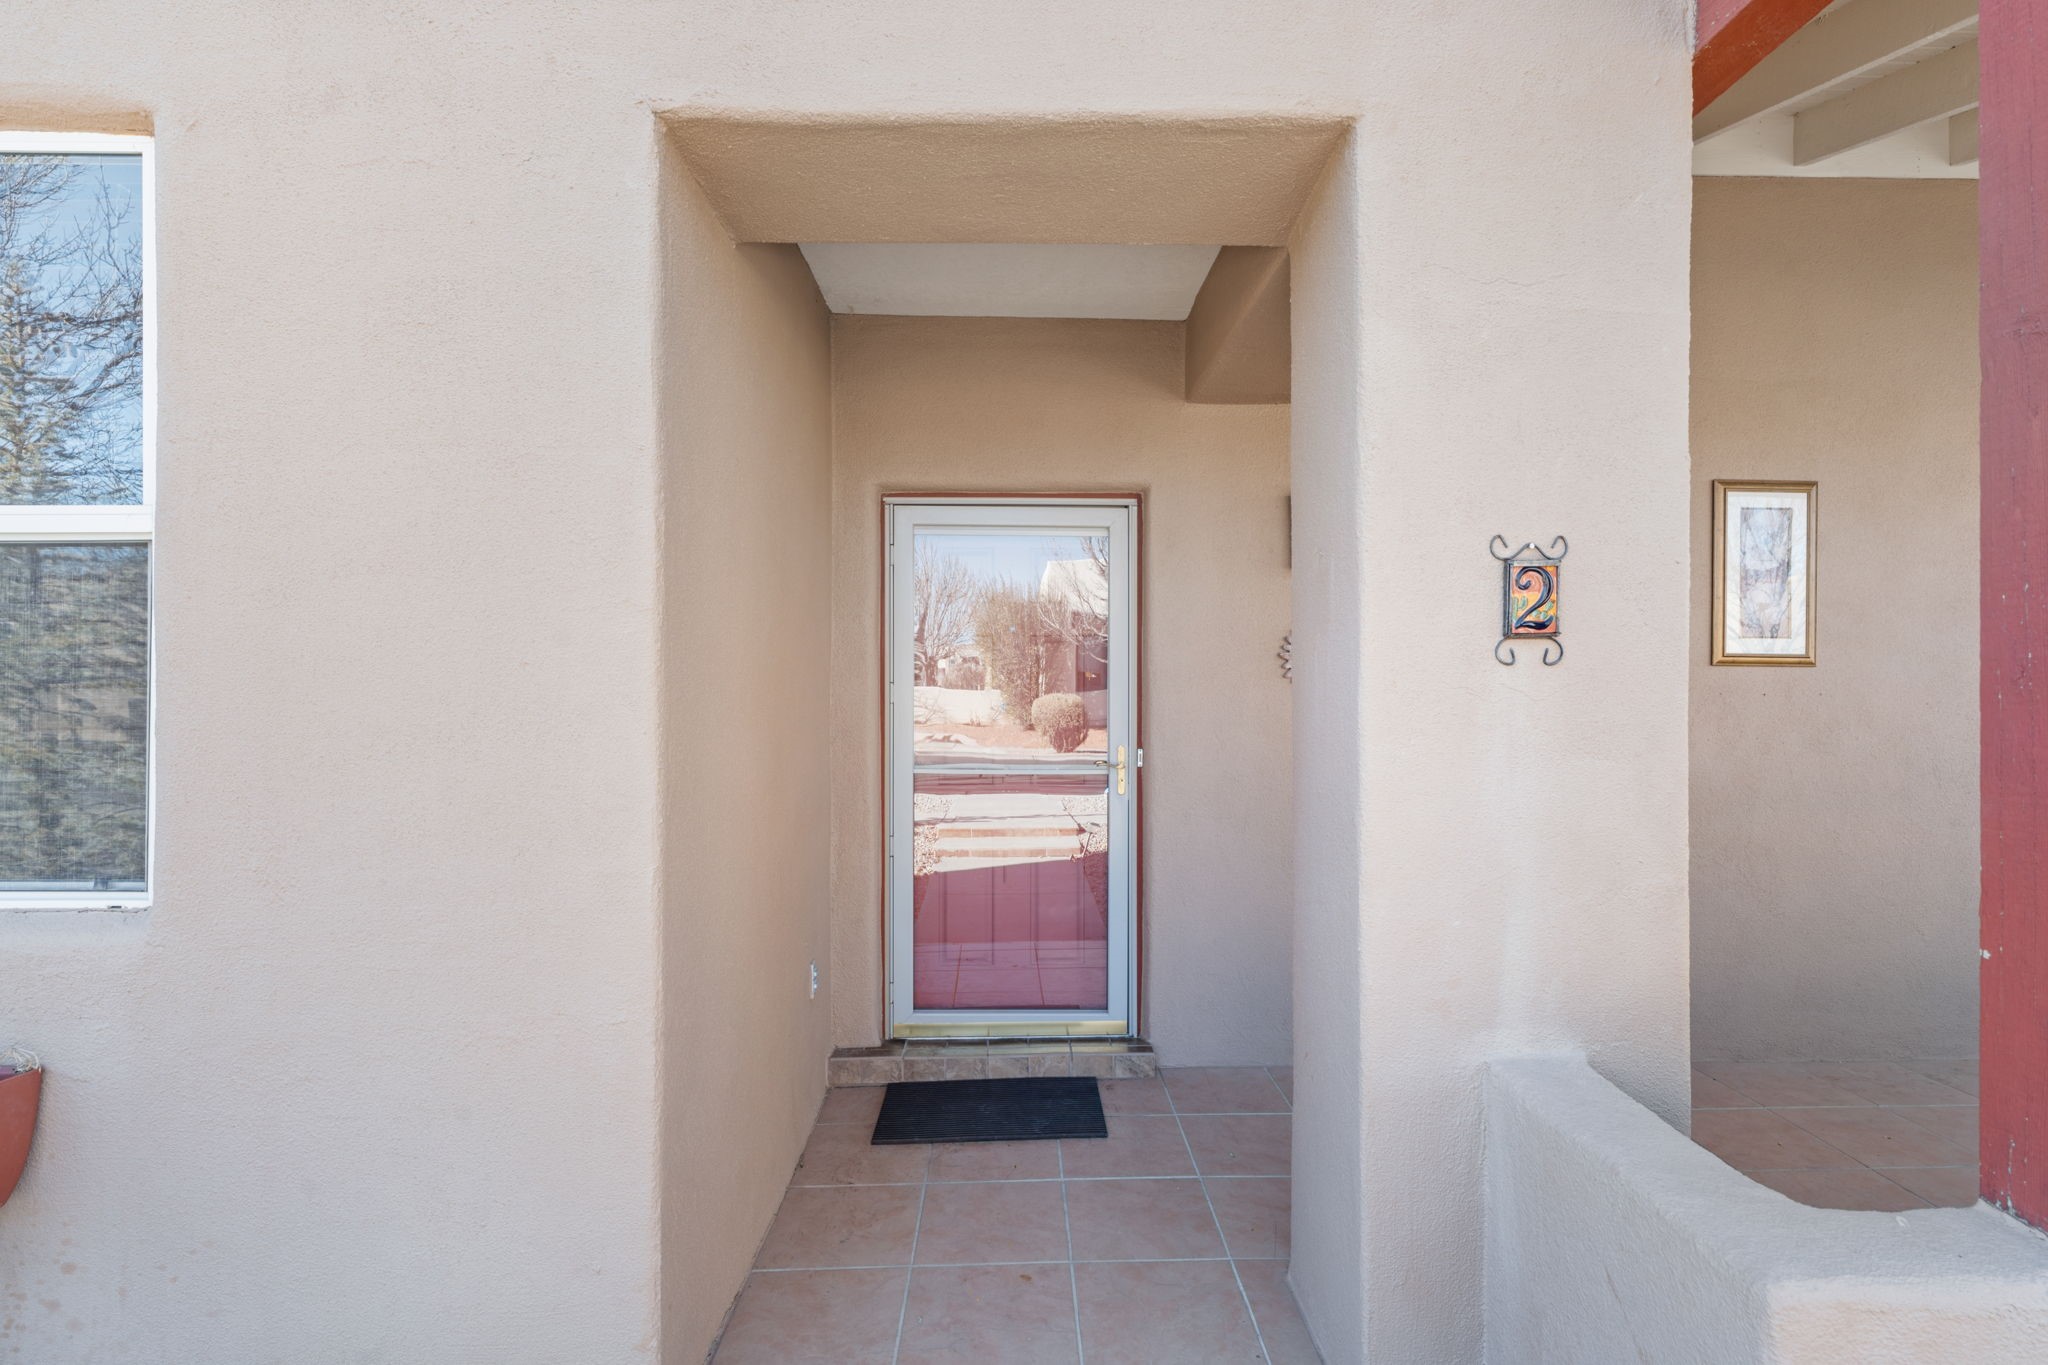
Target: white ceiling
[1009,280]
[1882,88]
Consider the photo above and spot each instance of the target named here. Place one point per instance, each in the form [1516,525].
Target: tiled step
[934,1060]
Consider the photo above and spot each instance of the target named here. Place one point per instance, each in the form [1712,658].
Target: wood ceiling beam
[1939,87]
[1734,35]
[1840,44]
[1963,138]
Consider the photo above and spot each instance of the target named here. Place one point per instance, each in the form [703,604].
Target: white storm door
[1013,766]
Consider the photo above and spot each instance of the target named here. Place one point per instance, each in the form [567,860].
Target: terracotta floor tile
[1956,1123]
[1960,1073]
[1758,1139]
[1141,1220]
[1878,1137]
[844,1225]
[852,1104]
[1278,1316]
[1223,1090]
[1135,1146]
[1149,1312]
[815,1317]
[990,1315]
[1890,1083]
[1283,1076]
[1021,1220]
[1240,1144]
[1708,1093]
[994,1161]
[1844,1187]
[1134,1097]
[840,1154]
[1787,1083]
[1945,1187]
[1254,1213]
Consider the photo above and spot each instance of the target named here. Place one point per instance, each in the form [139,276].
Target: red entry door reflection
[1010,888]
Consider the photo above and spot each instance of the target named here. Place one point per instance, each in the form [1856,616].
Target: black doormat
[991,1111]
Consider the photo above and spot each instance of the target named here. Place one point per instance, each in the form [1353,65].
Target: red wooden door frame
[2013,686]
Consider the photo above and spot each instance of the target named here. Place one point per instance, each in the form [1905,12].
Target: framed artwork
[1766,555]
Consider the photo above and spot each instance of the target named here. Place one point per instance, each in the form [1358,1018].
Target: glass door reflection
[1008,653]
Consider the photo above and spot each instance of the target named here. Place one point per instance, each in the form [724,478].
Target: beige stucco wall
[1046,405]
[1610,1237]
[375,1078]
[379,1072]
[1834,809]
[745,382]
[1490,333]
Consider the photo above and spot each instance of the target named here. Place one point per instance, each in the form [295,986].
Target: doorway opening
[1012,775]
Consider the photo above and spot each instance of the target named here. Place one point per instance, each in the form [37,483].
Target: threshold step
[935,1059]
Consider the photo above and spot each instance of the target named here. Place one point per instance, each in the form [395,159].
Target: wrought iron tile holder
[1529,598]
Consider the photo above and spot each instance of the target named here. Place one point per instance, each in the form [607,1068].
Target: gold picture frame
[1767,569]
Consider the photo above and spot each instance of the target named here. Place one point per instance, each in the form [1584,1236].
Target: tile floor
[1845,1135]
[1167,1241]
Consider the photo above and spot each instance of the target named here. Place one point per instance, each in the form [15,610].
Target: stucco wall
[1611,1237]
[379,1071]
[1489,338]
[1834,808]
[375,1078]
[745,381]
[1049,405]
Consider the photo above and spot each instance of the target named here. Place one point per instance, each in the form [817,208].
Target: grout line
[1915,1194]
[1867,1104]
[1963,1102]
[1073,1276]
[1944,1166]
[1851,1165]
[1283,1091]
[986,1265]
[903,1313]
[1237,1279]
[928,1265]
[1022,1179]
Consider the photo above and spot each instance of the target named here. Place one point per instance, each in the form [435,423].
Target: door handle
[1121,767]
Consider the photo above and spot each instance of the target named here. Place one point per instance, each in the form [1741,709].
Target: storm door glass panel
[1010,890]
[1010,646]
[71,329]
[1006,632]
[74,716]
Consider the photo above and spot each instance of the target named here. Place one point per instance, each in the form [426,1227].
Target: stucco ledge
[1612,1236]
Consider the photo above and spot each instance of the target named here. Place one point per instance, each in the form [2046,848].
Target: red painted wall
[2013,347]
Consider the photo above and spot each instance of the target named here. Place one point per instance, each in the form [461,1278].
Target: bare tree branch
[70,335]
[946,595]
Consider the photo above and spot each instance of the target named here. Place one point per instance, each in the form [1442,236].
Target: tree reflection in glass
[70,329]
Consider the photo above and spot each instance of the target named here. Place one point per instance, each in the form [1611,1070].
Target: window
[77,516]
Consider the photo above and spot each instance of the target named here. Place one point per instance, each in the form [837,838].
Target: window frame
[132,524]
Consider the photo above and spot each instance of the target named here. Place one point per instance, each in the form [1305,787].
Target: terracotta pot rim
[18,1106]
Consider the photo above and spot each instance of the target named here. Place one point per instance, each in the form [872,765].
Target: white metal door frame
[1116,518]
